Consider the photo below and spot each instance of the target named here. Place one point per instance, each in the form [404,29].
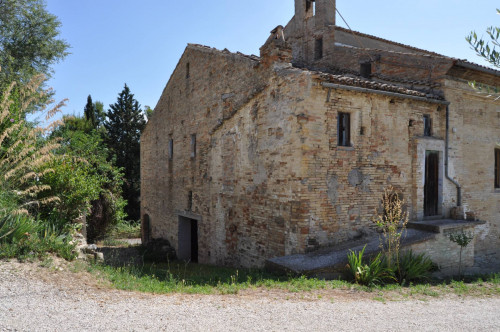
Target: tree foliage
[29,41]
[124,124]
[94,113]
[87,181]
[483,48]
[487,49]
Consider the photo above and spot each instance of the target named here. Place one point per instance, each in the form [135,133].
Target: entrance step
[439,225]
[330,263]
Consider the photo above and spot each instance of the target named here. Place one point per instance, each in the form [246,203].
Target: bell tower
[311,31]
[323,11]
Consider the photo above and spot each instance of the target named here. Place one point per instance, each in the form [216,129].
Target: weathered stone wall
[206,87]
[474,135]
[343,185]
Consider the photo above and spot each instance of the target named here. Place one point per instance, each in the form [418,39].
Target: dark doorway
[188,239]
[431,185]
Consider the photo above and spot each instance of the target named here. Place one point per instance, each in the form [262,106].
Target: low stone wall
[444,252]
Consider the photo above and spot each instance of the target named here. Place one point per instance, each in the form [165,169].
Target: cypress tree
[90,112]
[124,124]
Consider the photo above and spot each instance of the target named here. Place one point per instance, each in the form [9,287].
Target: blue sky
[114,42]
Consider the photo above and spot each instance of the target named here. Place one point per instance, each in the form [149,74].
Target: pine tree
[124,124]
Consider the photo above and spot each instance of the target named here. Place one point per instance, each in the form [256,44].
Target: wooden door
[431,185]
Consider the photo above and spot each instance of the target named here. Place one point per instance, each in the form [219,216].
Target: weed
[375,272]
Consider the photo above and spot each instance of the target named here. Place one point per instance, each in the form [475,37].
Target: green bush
[23,237]
[413,267]
[374,272]
[15,228]
[87,180]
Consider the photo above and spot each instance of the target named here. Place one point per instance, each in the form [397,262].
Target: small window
[187,70]
[318,49]
[190,201]
[344,129]
[427,125]
[497,168]
[171,149]
[365,70]
[193,145]
[310,8]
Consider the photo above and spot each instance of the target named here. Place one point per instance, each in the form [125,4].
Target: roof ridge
[391,42]
[224,51]
[427,53]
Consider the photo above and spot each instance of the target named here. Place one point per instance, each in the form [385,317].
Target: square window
[497,168]
[344,129]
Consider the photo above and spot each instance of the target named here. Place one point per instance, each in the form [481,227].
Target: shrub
[23,237]
[89,182]
[15,228]
[373,273]
[413,267]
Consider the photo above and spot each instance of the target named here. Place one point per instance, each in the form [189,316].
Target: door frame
[423,144]
[187,223]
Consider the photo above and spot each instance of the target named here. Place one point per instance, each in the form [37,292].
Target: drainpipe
[447,146]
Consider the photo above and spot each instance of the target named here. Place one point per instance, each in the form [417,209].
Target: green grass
[126,230]
[178,277]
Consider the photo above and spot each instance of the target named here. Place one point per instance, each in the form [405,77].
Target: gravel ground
[46,299]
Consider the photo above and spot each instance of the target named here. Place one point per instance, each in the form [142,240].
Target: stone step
[330,263]
[439,225]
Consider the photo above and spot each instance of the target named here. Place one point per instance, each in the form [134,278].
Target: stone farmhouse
[249,158]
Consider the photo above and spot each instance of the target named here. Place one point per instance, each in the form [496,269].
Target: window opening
[310,8]
[365,69]
[497,168]
[344,129]
[193,145]
[427,125]
[187,70]
[318,49]
[190,201]
[171,149]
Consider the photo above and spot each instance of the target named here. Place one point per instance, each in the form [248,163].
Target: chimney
[276,49]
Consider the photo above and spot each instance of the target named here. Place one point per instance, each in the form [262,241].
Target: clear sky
[139,42]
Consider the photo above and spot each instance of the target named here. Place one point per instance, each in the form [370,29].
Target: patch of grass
[179,277]
[380,299]
[126,230]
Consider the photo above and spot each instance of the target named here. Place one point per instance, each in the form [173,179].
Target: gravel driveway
[41,299]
